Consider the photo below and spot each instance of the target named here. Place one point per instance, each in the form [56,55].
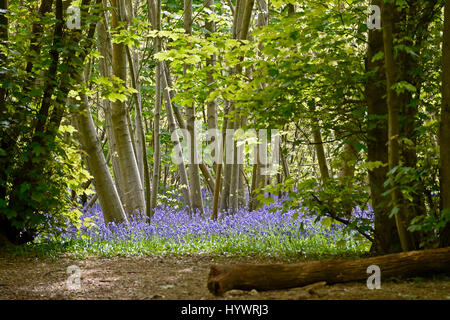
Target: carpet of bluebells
[269,231]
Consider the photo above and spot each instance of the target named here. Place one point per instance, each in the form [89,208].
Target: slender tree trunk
[318,145]
[252,204]
[5,142]
[386,238]
[241,201]
[241,25]
[141,151]
[182,125]
[108,196]
[105,63]
[258,180]
[445,127]
[156,14]
[194,174]
[156,135]
[348,161]
[220,166]
[210,26]
[394,103]
[262,176]
[134,192]
[243,21]
[176,140]
[35,46]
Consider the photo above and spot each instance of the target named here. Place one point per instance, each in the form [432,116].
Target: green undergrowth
[272,246]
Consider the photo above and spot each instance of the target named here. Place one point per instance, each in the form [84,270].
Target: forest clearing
[237,150]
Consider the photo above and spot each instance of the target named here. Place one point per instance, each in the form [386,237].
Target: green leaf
[327,222]
[378,56]
[113,96]
[394,211]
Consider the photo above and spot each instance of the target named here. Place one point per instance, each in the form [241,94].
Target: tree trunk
[133,189]
[193,161]
[395,104]
[318,144]
[210,26]
[219,166]
[348,157]
[385,233]
[223,278]
[141,150]
[241,26]
[182,125]
[176,140]
[229,158]
[108,196]
[5,142]
[156,10]
[208,178]
[156,136]
[445,127]
[105,48]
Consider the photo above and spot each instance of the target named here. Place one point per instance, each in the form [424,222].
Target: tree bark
[141,150]
[445,127]
[133,189]
[5,142]
[193,161]
[210,26]
[219,166]
[230,193]
[318,144]
[394,103]
[223,278]
[108,196]
[105,48]
[157,112]
[182,125]
[176,140]
[385,233]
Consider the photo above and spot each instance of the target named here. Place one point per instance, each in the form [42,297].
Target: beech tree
[445,128]
[132,185]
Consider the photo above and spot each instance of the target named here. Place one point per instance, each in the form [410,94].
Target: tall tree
[194,175]
[445,126]
[108,196]
[156,14]
[210,26]
[141,149]
[56,81]
[385,235]
[320,151]
[104,45]
[173,128]
[133,188]
[4,141]
[390,19]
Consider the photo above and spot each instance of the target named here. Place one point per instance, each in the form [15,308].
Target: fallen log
[261,277]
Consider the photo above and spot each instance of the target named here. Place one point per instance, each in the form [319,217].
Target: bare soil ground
[173,277]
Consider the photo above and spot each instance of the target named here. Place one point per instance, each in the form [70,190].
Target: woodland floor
[175,277]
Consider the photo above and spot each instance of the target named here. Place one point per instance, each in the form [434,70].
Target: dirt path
[174,278]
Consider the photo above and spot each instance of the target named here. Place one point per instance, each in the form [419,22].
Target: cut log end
[216,283]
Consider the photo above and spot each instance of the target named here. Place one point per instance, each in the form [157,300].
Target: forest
[303,140]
